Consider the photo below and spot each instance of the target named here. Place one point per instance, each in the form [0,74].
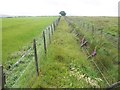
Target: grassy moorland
[106,44]
[65,64]
[19,32]
[109,24]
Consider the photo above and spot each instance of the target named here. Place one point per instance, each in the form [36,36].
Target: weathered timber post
[52,28]
[101,33]
[49,35]
[2,78]
[46,31]
[55,25]
[36,58]
[45,49]
[57,21]
[93,30]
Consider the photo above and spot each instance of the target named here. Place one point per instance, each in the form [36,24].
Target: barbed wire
[96,65]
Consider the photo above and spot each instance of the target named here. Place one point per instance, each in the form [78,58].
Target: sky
[53,7]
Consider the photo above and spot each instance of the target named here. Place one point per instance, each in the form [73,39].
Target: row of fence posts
[90,55]
[51,28]
[87,26]
[95,30]
[100,30]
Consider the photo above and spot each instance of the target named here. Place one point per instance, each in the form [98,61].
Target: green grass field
[107,44]
[19,32]
[66,64]
[109,24]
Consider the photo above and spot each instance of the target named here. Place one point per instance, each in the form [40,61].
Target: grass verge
[65,65]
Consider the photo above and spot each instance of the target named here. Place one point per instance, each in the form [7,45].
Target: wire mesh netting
[22,74]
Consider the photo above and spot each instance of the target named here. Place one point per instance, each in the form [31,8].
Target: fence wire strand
[95,64]
[27,69]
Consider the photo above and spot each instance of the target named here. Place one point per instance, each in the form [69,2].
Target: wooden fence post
[45,49]
[2,77]
[101,33]
[92,30]
[46,30]
[36,58]
[49,35]
[54,26]
[57,21]
[52,29]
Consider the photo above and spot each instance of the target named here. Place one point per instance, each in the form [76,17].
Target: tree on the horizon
[62,13]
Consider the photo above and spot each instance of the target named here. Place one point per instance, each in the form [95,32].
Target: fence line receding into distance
[29,63]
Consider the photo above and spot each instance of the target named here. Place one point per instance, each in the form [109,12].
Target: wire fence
[95,30]
[18,75]
[87,52]
[27,68]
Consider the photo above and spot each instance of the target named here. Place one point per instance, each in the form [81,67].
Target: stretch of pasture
[19,32]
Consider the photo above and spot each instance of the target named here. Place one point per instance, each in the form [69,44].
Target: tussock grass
[64,55]
[106,52]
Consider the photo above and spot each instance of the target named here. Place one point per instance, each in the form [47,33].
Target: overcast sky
[53,7]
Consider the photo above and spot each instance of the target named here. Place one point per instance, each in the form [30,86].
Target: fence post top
[43,31]
[0,65]
[33,39]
